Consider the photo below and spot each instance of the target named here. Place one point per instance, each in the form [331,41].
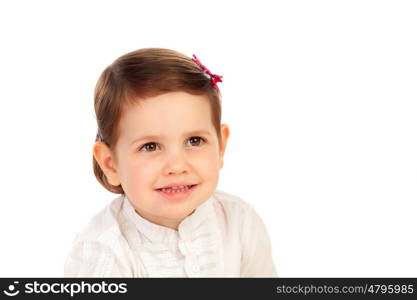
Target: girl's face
[166,141]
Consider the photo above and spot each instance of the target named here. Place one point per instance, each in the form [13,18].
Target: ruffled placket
[200,242]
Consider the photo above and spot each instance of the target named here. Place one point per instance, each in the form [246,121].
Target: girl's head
[159,121]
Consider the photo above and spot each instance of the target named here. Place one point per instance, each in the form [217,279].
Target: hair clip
[98,136]
[215,78]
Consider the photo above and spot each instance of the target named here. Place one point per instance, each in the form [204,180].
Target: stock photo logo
[65,288]
[11,289]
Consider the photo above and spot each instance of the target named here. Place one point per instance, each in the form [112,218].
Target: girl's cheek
[208,163]
[143,172]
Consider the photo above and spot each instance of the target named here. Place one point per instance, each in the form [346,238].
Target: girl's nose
[176,163]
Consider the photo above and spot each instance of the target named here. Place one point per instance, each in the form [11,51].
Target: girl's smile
[177,192]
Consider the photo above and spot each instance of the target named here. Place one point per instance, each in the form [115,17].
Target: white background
[320,97]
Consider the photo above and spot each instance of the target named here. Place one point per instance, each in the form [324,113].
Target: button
[196,268]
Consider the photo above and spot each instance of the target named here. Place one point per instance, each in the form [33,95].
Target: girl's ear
[106,161]
[225,132]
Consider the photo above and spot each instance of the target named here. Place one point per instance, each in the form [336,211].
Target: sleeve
[95,259]
[256,247]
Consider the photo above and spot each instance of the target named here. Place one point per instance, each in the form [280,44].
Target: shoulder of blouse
[230,201]
[105,225]
[242,218]
[231,207]
[101,247]
[233,214]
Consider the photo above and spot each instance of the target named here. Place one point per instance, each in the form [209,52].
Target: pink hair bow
[215,78]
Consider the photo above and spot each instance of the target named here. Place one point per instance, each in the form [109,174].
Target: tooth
[176,189]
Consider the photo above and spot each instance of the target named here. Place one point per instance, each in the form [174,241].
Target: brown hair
[147,72]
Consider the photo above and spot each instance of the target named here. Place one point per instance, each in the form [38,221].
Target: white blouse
[224,237]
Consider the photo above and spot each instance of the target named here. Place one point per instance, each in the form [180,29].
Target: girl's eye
[149,147]
[196,140]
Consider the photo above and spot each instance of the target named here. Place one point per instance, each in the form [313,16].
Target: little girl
[160,145]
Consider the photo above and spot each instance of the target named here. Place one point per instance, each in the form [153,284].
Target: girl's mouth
[177,193]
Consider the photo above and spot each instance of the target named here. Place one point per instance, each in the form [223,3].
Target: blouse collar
[159,233]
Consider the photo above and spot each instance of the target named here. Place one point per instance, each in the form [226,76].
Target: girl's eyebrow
[155,137]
